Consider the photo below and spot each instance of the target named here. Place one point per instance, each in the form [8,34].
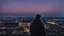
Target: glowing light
[51,22]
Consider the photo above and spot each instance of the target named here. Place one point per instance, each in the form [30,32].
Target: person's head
[38,16]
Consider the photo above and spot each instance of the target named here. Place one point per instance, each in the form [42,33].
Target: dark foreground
[23,35]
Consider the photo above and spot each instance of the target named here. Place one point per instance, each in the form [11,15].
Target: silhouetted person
[37,28]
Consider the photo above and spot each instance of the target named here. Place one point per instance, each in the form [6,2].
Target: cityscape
[54,26]
[16,16]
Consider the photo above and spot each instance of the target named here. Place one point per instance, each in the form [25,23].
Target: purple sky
[16,7]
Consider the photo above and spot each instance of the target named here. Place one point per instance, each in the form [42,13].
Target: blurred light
[51,22]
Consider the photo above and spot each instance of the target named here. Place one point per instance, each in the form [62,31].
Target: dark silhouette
[37,28]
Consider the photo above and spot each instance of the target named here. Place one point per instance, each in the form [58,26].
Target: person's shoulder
[32,23]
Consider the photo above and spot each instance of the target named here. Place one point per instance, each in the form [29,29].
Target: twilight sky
[32,7]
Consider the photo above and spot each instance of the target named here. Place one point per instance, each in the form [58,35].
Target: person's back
[37,28]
